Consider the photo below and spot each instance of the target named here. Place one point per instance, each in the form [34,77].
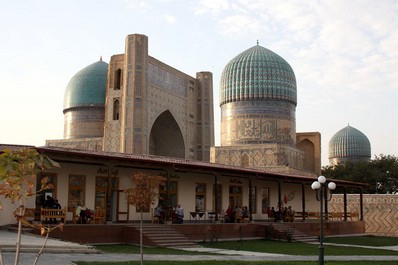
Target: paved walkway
[64,253]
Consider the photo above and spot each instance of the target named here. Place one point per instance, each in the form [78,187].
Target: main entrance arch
[166,138]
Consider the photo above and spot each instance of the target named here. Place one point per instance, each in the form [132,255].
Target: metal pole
[321,254]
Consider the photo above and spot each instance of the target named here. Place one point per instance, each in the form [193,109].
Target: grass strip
[228,262]
[298,248]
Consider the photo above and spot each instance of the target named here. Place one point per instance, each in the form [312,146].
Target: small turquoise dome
[349,144]
[258,73]
[87,87]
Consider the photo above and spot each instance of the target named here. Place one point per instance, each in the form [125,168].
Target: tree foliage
[18,173]
[145,190]
[380,173]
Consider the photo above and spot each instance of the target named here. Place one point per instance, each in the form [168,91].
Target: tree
[18,173]
[144,193]
[386,174]
[381,173]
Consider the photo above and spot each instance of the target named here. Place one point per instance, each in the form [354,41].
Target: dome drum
[258,122]
[84,122]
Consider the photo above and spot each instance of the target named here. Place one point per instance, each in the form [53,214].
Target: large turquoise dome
[87,87]
[258,73]
[349,144]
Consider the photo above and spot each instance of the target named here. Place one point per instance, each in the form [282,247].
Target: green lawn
[227,262]
[149,250]
[296,248]
[376,241]
[269,246]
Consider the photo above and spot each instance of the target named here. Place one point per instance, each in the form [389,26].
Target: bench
[52,214]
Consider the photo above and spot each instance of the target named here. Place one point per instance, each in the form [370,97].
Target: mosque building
[140,105]
[140,115]
[349,144]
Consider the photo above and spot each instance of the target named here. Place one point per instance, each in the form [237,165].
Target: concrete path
[65,253]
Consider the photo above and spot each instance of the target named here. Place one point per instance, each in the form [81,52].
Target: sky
[344,55]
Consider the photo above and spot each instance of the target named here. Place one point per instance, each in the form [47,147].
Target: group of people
[284,214]
[236,214]
[48,202]
[176,214]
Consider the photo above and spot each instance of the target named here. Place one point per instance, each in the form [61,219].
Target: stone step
[162,237]
[297,235]
[165,236]
[178,245]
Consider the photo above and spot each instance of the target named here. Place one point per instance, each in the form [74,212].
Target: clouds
[343,53]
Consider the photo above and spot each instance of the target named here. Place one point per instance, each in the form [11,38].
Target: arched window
[116,108]
[118,78]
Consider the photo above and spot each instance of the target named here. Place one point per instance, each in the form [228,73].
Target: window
[116,110]
[200,197]
[235,196]
[101,185]
[52,191]
[168,194]
[118,79]
[101,192]
[264,199]
[77,195]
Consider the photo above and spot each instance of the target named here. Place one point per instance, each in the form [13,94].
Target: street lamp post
[319,187]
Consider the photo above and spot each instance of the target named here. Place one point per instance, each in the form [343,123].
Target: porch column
[279,197]
[216,197]
[167,190]
[361,204]
[250,199]
[303,200]
[345,204]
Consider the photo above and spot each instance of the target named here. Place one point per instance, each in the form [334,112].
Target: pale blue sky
[344,54]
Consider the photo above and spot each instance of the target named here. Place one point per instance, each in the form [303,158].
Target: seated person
[159,213]
[180,214]
[81,211]
[238,214]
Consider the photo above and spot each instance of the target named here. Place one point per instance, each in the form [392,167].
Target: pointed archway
[309,153]
[166,138]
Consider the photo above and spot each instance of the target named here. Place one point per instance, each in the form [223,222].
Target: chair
[99,216]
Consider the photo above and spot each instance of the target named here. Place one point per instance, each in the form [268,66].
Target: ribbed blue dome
[349,144]
[258,73]
[87,87]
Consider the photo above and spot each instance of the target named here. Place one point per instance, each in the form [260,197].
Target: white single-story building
[98,179]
